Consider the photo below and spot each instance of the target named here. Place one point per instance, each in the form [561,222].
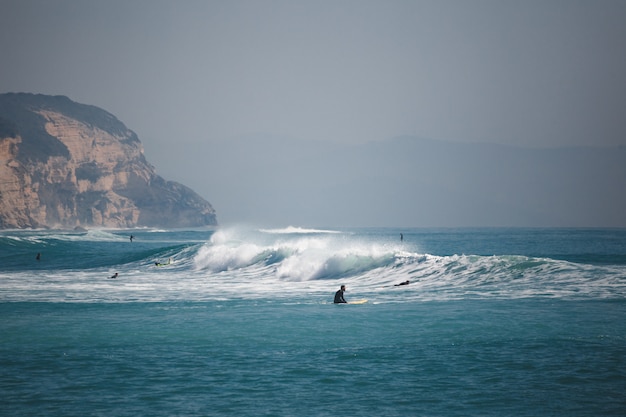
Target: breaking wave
[295,263]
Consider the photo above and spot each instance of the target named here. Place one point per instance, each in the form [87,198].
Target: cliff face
[64,164]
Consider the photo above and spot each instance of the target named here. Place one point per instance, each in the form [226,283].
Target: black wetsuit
[339,297]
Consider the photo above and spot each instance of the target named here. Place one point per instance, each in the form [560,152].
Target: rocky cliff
[66,165]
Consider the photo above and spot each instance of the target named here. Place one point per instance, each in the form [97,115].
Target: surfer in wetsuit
[114,276]
[402,283]
[339,295]
[169,261]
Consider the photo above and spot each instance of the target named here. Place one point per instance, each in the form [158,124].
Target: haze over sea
[240,321]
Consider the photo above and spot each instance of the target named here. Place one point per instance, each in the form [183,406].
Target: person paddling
[169,261]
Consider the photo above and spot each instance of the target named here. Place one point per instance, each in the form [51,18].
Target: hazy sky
[531,73]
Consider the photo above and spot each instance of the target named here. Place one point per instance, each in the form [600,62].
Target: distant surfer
[131,237]
[339,295]
[169,261]
[114,276]
[402,283]
[401,237]
[38,257]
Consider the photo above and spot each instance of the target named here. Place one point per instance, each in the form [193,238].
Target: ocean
[239,321]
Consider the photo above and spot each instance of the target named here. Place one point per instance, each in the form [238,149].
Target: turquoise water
[494,322]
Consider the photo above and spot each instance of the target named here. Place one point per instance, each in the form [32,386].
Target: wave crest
[299,258]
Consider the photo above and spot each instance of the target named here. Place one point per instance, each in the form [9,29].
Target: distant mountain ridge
[65,165]
[411,181]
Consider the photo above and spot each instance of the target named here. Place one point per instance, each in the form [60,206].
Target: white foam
[298,230]
[236,264]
